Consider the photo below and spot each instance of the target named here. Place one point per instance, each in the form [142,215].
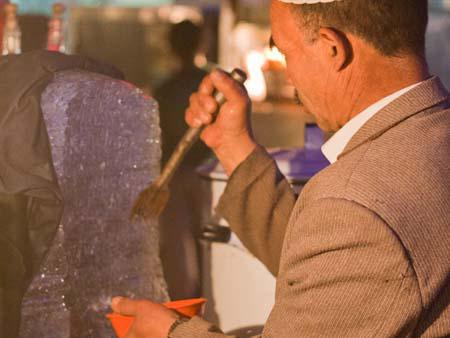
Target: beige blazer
[365,251]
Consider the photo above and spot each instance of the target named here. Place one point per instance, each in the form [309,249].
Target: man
[180,220]
[173,95]
[365,250]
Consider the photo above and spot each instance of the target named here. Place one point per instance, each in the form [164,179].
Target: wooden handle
[192,135]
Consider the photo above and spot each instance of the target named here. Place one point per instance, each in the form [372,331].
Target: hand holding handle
[192,135]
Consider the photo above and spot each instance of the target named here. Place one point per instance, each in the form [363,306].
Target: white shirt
[337,143]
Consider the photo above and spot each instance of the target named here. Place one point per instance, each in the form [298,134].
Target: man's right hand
[230,135]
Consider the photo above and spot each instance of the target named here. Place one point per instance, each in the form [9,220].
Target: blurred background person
[180,222]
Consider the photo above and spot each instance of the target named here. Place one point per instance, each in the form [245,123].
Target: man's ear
[335,47]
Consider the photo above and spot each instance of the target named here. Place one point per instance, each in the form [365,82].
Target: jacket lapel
[428,94]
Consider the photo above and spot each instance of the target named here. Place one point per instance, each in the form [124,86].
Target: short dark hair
[185,39]
[393,27]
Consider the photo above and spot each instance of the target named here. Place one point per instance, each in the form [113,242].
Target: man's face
[306,68]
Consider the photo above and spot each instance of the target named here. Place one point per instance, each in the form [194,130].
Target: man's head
[184,39]
[335,50]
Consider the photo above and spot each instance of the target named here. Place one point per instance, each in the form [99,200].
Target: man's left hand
[151,320]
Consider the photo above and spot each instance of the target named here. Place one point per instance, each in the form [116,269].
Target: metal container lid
[297,164]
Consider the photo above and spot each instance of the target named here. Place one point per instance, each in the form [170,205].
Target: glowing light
[176,14]
[200,60]
[256,83]
[146,15]
[274,56]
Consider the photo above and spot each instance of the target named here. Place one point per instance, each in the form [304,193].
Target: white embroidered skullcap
[302,2]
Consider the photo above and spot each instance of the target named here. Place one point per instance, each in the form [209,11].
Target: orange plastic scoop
[121,324]
[187,307]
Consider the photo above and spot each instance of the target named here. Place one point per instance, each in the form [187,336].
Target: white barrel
[239,288]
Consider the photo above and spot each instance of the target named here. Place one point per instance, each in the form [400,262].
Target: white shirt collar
[337,143]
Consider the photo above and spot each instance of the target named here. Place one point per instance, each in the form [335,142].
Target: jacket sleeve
[343,273]
[257,204]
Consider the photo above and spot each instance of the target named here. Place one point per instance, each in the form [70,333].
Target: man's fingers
[191,119]
[203,103]
[125,306]
[206,86]
[223,82]
[230,88]
[200,110]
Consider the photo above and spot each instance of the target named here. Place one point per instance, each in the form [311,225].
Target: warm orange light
[256,83]
[275,58]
